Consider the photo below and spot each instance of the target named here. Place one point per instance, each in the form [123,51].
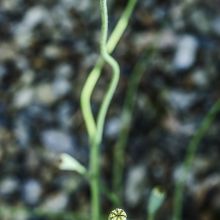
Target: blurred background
[48,47]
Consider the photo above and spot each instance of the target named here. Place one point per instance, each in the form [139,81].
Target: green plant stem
[96,71]
[95,131]
[102,113]
[121,26]
[126,120]
[95,182]
[190,155]
[115,70]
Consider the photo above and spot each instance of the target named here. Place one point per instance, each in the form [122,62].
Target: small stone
[10,5]
[32,191]
[7,52]
[180,100]
[33,17]
[200,78]
[64,70]
[23,98]
[113,127]
[8,186]
[64,115]
[55,203]
[186,52]
[57,141]
[45,94]
[135,185]
[27,78]
[21,131]
[52,52]
[61,87]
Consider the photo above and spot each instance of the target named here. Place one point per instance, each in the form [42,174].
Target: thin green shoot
[190,155]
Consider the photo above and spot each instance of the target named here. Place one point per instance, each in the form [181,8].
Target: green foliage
[95,127]
[191,152]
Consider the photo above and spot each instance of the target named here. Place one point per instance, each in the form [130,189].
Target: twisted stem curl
[95,128]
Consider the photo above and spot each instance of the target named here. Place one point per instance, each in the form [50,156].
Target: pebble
[200,78]
[64,70]
[10,5]
[55,203]
[8,186]
[52,52]
[64,115]
[32,191]
[7,52]
[181,100]
[33,17]
[57,141]
[61,87]
[45,94]
[27,78]
[62,19]
[135,185]
[186,52]
[23,98]
[22,131]
[113,127]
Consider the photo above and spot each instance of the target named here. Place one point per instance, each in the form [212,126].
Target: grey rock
[52,51]
[62,19]
[64,115]
[32,191]
[186,52]
[180,100]
[45,94]
[7,51]
[57,141]
[200,78]
[33,17]
[135,185]
[22,131]
[113,127]
[61,87]
[8,186]
[23,98]
[10,5]
[64,70]
[56,202]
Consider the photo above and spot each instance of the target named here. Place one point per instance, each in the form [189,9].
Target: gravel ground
[47,48]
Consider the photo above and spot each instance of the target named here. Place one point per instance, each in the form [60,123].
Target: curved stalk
[96,71]
[95,129]
[190,155]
